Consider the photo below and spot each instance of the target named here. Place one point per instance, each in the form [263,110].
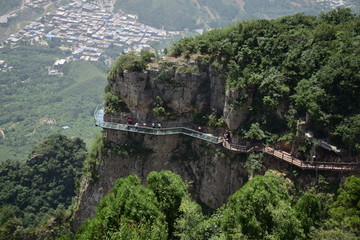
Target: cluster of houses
[36,3]
[88,30]
[333,3]
[4,67]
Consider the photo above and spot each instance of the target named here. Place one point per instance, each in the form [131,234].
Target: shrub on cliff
[132,62]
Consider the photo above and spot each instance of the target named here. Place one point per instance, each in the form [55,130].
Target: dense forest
[266,207]
[43,186]
[304,66]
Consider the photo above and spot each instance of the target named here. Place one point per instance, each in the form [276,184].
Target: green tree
[147,56]
[349,130]
[169,190]
[9,223]
[337,16]
[308,210]
[130,211]
[132,62]
[31,191]
[273,88]
[254,163]
[189,224]
[307,97]
[346,209]
[261,210]
[255,132]
[333,234]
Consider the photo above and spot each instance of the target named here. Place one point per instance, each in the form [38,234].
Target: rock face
[237,105]
[182,90]
[179,87]
[211,172]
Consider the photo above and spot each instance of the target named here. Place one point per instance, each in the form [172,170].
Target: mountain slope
[192,14]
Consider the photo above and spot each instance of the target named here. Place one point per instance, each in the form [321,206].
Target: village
[87,30]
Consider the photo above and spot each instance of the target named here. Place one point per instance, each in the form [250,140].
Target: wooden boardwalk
[284,156]
[287,157]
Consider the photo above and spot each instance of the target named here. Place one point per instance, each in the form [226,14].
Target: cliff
[175,92]
[185,89]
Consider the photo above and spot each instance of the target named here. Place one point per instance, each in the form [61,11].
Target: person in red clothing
[227,136]
[130,120]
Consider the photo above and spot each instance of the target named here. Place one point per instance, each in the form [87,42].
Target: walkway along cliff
[287,157]
[180,93]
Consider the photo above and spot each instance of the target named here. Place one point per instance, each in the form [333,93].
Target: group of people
[130,121]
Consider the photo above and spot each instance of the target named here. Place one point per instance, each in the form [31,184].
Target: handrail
[99,116]
[285,156]
[332,163]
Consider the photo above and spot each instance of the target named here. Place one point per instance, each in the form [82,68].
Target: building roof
[60,62]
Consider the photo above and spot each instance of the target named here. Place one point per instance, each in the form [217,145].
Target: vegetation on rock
[292,67]
[132,62]
[264,208]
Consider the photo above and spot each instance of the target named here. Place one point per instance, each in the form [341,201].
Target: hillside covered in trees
[296,68]
[43,186]
[267,207]
[193,14]
[35,105]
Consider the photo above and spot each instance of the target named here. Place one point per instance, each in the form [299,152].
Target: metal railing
[99,121]
[285,156]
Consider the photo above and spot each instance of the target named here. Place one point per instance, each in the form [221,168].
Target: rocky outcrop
[175,92]
[212,173]
[237,103]
[183,90]
[180,87]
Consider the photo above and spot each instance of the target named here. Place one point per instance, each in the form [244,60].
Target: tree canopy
[31,191]
[134,211]
[295,66]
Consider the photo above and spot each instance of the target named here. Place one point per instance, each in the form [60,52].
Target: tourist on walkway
[227,136]
[130,120]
